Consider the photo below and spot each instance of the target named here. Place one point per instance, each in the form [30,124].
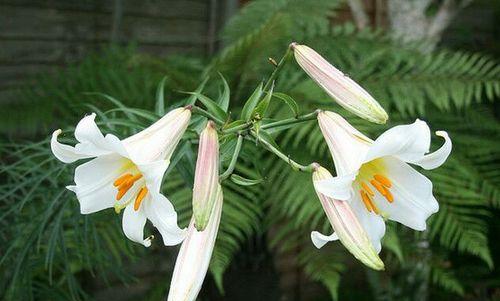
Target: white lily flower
[194,256]
[339,86]
[362,241]
[127,173]
[375,177]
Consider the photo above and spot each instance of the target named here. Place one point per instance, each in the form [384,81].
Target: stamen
[122,179]
[375,208]
[140,196]
[388,195]
[125,184]
[367,189]
[383,180]
[378,186]
[122,190]
[366,200]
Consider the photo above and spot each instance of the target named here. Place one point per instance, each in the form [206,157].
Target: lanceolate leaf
[261,108]
[211,106]
[289,101]
[160,97]
[244,181]
[251,103]
[224,101]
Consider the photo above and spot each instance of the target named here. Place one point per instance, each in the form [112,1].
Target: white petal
[338,188]
[319,240]
[153,173]
[86,131]
[437,158]
[94,182]
[158,141]
[413,199]
[373,224]
[133,225]
[63,152]
[347,145]
[194,257]
[407,142]
[162,214]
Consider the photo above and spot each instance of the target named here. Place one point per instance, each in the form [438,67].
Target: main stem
[234,159]
[293,120]
[277,70]
[295,166]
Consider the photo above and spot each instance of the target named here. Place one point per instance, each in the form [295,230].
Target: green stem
[238,128]
[234,159]
[298,119]
[200,111]
[295,166]
[278,68]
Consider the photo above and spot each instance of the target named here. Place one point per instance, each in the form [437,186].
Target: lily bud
[206,178]
[346,225]
[194,256]
[339,86]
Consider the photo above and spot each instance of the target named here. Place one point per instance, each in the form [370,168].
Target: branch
[358,13]
[445,14]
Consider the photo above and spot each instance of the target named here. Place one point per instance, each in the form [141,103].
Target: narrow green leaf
[264,135]
[192,99]
[233,124]
[292,104]
[116,102]
[261,108]
[160,97]
[244,181]
[224,102]
[251,103]
[211,106]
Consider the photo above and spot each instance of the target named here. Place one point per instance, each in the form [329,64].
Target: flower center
[372,175]
[123,183]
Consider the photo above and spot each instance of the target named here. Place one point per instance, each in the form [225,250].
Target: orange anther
[383,180]
[366,200]
[375,208]
[140,196]
[388,195]
[130,181]
[367,189]
[378,186]
[123,189]
[136,177]
[122,179]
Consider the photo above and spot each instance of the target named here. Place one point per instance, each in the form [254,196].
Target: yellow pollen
[366,200]
[378,186]
[140,196]
[122,179]
[367,189]
[383,180]
[388,195]
[125,184]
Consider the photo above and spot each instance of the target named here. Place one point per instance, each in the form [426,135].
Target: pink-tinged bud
[339,86]
[206,177]
[194,257]
[158,141]
[346,225]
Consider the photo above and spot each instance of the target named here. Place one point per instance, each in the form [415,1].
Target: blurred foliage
[54,253]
